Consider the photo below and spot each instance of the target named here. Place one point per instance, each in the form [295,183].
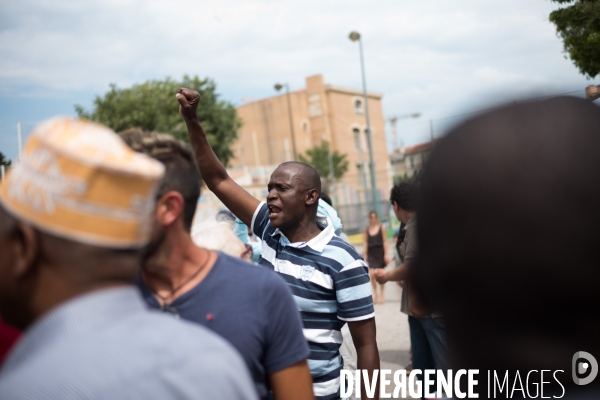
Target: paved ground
[393,337]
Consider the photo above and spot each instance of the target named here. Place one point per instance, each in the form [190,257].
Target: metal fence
[355,217]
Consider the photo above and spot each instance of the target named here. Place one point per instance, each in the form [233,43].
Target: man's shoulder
[249,276]
[341,253]
[123,351]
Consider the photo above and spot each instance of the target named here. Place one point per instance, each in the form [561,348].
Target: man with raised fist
[328,278]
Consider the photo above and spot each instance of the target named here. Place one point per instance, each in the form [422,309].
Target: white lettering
[383,382]
[459,394]
[370,384]
[346,389]
[444,382]
[504,383]
[428,382]
[400,384]
[535,384]
[563,388]
[412,384]
[357,383]
[542,384]
[472,383]
[517,378]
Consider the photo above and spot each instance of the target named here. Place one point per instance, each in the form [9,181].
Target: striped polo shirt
[330,284]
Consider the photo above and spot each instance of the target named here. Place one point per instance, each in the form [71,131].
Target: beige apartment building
[318,112]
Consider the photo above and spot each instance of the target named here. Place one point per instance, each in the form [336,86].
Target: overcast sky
[437,57]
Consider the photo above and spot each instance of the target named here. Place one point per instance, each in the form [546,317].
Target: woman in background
[374,240]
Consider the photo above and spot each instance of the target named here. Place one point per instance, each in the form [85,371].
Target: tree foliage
[4,161]
[578,25]
[318,158]
[152,106]
[415,179]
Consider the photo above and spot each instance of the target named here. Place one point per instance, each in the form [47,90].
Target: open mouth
[274,211]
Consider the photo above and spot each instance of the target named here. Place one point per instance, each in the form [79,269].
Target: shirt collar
[411,220]
[84,312]
[317,243]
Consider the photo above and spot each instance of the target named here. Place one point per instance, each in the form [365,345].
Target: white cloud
[438,57]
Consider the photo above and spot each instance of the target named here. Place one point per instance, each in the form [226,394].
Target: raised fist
[188,103]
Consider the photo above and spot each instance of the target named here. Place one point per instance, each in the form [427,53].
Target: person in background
[328,279]
[374,249]
[250,307]
[518,172]
[74,216]
[217,235]
[427,329]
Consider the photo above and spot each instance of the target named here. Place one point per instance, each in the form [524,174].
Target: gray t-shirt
[411,248]
[107,345]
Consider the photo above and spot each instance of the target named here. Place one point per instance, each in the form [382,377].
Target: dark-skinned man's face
[287,197]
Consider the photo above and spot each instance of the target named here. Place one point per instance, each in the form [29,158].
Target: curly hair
[404,194]
[181,172]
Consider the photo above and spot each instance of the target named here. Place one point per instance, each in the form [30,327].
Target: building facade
[408,161]
[318,112]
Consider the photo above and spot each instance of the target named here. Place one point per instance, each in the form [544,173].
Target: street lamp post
[278,87]
[393,120]
[355,37]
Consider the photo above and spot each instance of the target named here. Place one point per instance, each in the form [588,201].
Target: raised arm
[240,202]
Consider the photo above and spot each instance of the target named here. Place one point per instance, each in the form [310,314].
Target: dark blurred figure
[509,223]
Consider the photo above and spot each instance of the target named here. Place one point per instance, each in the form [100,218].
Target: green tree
[318,158]
[4,161]
[578,25]
[415,179]
[152,106]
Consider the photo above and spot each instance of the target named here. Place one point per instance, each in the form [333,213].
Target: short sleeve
[260,220]
[410,240]
[286,344]
[353,290]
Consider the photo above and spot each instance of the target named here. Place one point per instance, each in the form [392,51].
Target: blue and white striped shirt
[330,283]
[107,345]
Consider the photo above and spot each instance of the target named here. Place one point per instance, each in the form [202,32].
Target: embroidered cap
[79,180]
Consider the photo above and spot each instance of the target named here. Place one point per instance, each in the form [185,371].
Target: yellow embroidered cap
[78,180]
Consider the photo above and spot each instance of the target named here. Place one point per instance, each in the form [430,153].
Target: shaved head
[309,175]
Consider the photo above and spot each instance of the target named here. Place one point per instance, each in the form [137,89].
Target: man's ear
[312,197]
[169,208]
[27,249]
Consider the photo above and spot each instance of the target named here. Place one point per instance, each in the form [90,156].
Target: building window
[305,127]
[357,139]
[358,106]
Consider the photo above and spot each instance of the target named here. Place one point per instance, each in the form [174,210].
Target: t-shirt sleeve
[353,290]
[260,220]
[286,344]
[412,246]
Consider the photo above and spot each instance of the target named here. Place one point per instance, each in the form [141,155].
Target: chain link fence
[355,217]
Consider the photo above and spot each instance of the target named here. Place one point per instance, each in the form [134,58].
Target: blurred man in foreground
[509,223]
[74,214]
[248,306]
[328,279]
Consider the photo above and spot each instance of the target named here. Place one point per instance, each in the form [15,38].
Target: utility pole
[431,131]
[19,138]
[278,87]
[355,37]
[331,172]
[393,120]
